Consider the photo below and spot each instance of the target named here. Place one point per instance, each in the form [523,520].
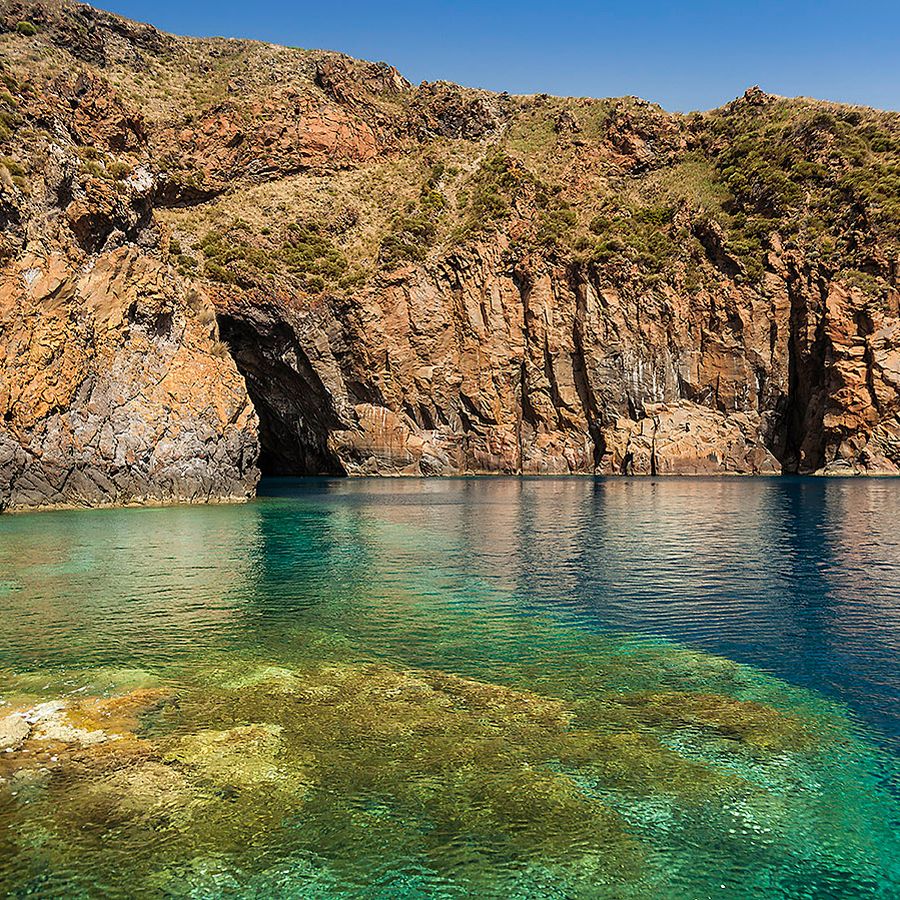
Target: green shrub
[643,235]
[311,256]
[494,185]
[118,170]
[554,224]
[815,175]
[9,121]
[29,29]
[306,256]
[865,282]
[409,239]
[14,168]
[415,230]
[492,192]
[94,168]
[215,272]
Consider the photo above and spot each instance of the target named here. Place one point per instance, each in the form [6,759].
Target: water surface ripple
[558,687]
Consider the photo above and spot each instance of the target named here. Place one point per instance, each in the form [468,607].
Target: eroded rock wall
[114,385]
[220,256]
[115,388]
[472,366]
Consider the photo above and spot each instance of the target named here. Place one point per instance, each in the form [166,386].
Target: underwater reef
[340,775]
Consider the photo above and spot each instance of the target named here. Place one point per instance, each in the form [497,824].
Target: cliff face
[470,366]
[221,256]
[114,391]
[114,387]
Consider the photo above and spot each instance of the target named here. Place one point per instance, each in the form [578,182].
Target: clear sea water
[552,688]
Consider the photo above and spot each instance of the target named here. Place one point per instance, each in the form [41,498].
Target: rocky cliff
[221,257]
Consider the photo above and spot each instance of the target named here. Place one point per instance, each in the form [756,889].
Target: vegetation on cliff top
[620,185]
[824,180]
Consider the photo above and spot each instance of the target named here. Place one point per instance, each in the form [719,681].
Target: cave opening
[295,410]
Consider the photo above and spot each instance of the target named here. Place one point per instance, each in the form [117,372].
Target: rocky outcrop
[846,374]
[116,389]
[221,257]
[90,35]
[450,111]
[114,386]
[687,439]
[286,133]
[472,367]
[353,82]
[643,136]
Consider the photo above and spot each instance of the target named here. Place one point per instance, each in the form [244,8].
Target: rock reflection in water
[463,688]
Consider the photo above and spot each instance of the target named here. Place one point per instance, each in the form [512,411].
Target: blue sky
[683,55]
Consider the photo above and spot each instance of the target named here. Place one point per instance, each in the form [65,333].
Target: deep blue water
[797,576]
[494,687]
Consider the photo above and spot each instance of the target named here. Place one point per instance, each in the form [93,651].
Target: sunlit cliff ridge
[222,258]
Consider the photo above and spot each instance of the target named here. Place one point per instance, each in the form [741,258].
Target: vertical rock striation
[220,257]
[472,367]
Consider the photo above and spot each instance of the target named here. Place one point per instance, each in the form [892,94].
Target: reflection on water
[490,687]
[106,585]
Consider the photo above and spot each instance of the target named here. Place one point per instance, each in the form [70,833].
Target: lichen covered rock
[115,389]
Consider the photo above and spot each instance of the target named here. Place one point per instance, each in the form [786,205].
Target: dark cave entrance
[294,407]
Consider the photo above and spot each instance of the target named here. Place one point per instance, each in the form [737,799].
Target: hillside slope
[222,256]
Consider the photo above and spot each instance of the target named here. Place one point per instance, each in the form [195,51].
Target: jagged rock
[483,370]
[116,390]
[447,110]
[687,439]
[286,132]
[567,123]
[14,728]
[754,96]
[641,298]
[89,34]
[644,136]
[353,82]
[98,114]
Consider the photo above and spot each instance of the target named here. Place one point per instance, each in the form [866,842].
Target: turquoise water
[456,688]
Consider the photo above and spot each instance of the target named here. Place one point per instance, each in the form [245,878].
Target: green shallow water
[371,690]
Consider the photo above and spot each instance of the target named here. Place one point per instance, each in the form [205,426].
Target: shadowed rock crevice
[803,429]
[580,372]
[294,408]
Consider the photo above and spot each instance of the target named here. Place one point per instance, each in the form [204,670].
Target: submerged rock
[754,724]
[80,723]
[243,756]
[348,766]
[51,722]
[14,728]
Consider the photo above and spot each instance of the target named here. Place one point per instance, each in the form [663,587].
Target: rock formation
[116,390]
[221,256]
